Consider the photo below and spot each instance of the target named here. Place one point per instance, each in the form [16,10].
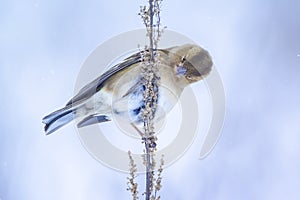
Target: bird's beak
[180,70]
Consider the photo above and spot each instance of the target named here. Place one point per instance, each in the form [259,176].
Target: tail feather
[92,119]
[57,119]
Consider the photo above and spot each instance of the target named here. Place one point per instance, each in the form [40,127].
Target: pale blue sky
[255,46]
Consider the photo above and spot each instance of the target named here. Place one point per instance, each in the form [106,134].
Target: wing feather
[96,85]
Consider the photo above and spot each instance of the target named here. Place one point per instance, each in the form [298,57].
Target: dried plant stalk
[132,186]
[149,69]
[150,64]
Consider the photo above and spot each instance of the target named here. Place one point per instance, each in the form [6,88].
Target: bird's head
[193,62]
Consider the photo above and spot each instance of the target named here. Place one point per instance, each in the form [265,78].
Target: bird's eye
[189,77]
[183,59]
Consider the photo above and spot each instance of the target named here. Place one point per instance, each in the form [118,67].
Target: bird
[120,90]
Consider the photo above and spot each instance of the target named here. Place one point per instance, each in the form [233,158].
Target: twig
[149,67]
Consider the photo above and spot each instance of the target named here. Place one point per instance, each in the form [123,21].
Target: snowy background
[255,46]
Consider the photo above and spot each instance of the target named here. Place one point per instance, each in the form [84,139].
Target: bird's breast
[130,107]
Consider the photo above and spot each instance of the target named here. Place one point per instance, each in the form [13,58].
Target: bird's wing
[96,85]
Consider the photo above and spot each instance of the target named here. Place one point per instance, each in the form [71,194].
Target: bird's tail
[58,119]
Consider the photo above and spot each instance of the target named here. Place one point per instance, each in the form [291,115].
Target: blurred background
[255,46]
